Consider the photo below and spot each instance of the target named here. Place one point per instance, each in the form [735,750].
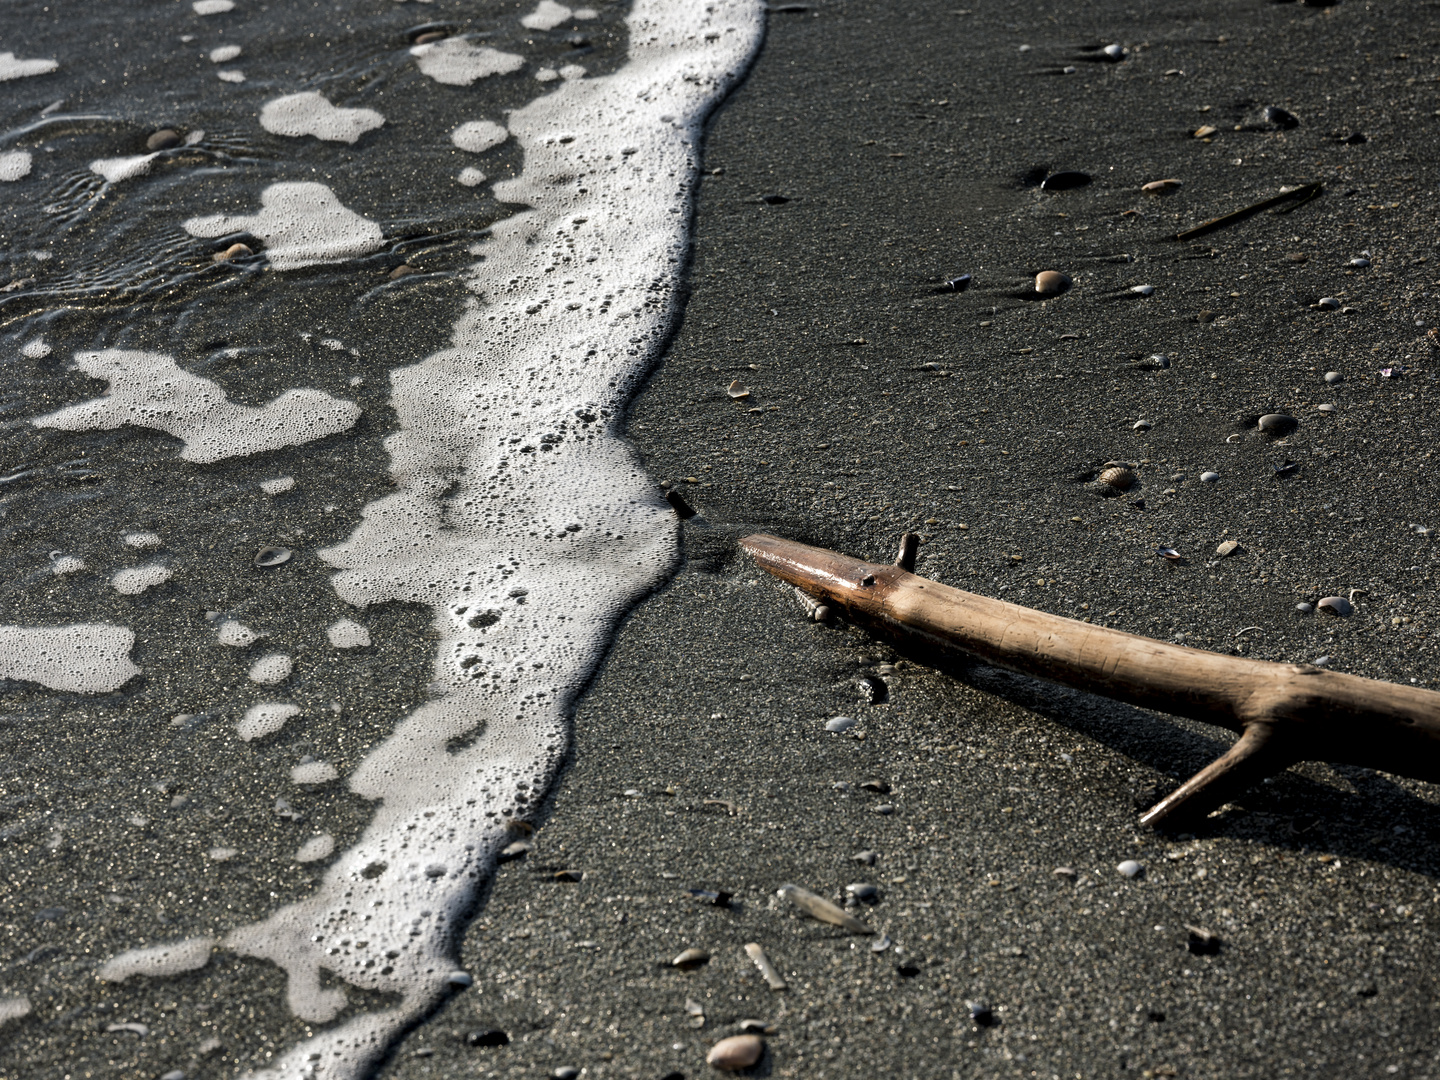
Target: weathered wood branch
[1284,712]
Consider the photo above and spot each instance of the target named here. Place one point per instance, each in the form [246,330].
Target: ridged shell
[1117,478]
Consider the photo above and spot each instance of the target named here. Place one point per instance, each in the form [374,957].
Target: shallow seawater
[166,415]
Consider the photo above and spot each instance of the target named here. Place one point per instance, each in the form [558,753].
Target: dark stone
[774,199]
[1065,181]
[487,1037]
[164,139]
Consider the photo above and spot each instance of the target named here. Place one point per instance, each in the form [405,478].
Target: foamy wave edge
[520,518]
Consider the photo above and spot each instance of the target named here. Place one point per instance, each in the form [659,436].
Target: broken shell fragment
[1202,942]
[1162,187]
[1336,605]
[1328,303]
[735,1053]
[1113,52]
[1169,553]
[1121,479]
[234,251]
[738,390]
[1141,425]
[1143,290]
[840,723]
[1204,131]
[271,556]
[690,959]
[1278,424]
[1228,548]
[1052,282]
[817,907]
[767,970]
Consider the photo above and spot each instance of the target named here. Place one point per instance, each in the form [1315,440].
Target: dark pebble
[774,200]
[487,1037]
[164,139]
[403,270]
[1065,181]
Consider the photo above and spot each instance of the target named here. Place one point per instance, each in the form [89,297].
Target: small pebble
[821,613]
[885,808]
[1321,661]
[1327,407]
[1281,118]
[403,270]
[1278,424]
[174,1074]
[1333,377]
[487,1037]
[879,787]
[1162,187]
[1328,303]
[840,723]
[1228,548]
[1130,868]
[690,958]
[518,849]
[272,556]
[1145,290]
[1052,283]
[735,1053]
[164,139]
[1359,263]
[862,890]
[1336,605]
[1113,52]
[1304,609]
[869,858]
[234,251]
[1209,477]
[566,1072]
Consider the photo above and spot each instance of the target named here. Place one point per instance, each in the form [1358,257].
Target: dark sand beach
[907,144]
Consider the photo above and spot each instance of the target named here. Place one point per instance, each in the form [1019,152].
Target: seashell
[690,958]
[873,689]
[1162,187]
[1305,609]
[879,787]
[1278,425]
[1141,425]
[1202,942]
[460,978]
[1119,478]
[1052,283]
[817,907]
[861,890]
[1169,553]
[164,139]
[1204,132]
[271,556]
[955,284]
[738,390]
[1336,605]
[1209,477]
[1358,262]
[1288,468]
[1065,181]
[767,970]
[518,850]
[1281,118]
[1228,548]
[1328,303]
[735,1053]
[1130,868]
[1113,52]
[981,1014]
[840,723]
[1333,377]
[1143,290]
[869,858]
[821,613]
[756,1027]
[1327,407]
[234,251]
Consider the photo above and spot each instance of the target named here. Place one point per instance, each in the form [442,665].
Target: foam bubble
[311,113]
[213,7]
[546,74]
[313,772]
[223,54]
[66,564]
[317,847]
[456,62]
[301,223]
[348,634]
[134,580]
[117,169]
[14,165]
[478,136]
[158,961]
[13,1008]
[264,719]
[572,71]
[142,541]
[526,587]
[230,75]
[270,669]
[278,486]
[547,16]
[11,68]
[150,390]
[471,177]
[37,349]
[235,634]
[222,854]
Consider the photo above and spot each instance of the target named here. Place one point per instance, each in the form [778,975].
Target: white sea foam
[302,223]
[528,586]
[117,169]
[213,7]
[348,634]
[150,390]
[86,658]
[478,136]
[66,564]
[231,75]
[313,772]
[158,961]
[471,177]
[270,669]
[134,580]
[14,165]
[456,62]
[142,541]
[264,719]
[37,349]
[311,113]
[13,1008]
[546,16]
[222,854]
[278,486]
[235,634]
[12,68]
[223,54]
[317,847]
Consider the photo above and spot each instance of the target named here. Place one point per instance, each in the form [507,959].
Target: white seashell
[1336,605]
[1162,187]
[840,723]
[690,958]
[1130,868]
[817,907]
[1143,290]
[735,1053]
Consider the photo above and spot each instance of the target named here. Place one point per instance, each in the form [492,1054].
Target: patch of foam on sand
[13,1008]
[348,634]
[456,62]
[84,658]
[311,113]
[14,165]
[478,136]
[150,390]
[213,7]
[546,16]
[158,961]
[264,719]
[520,517]
[302,223]
[117,169]
[13,68]
[134,580]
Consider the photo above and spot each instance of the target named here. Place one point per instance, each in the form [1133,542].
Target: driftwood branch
[1284,712]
